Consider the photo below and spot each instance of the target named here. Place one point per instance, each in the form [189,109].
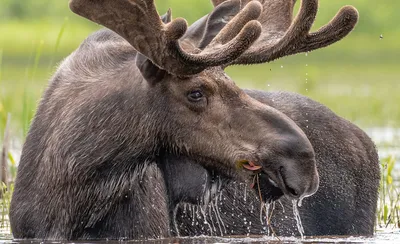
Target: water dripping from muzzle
[267,209]
[298,219]
[300,202]
[175,223]
[204,215]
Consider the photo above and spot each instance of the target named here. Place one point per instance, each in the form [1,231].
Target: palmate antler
[282,37]
[139,23]
[215,40]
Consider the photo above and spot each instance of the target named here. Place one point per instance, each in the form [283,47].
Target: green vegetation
[358,78]
[389,197]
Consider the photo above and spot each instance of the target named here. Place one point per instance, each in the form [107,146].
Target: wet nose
[299,179]
[314,185]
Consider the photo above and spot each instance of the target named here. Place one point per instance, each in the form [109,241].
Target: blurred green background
[358,77]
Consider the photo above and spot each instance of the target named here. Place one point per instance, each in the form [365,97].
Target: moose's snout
[296,171]
[297,180]
[289,161]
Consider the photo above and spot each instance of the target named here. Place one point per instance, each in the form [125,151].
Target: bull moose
[93,165]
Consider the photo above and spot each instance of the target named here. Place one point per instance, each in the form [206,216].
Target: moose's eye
[195,96]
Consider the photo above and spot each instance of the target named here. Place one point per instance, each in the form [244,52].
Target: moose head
[191,107]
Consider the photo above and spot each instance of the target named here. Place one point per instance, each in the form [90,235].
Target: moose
[148,97]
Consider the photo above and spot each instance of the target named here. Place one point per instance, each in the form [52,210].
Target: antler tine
[296,38]
[341,25]
[138,22]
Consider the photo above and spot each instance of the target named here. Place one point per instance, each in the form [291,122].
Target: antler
[280,37]
[138,22]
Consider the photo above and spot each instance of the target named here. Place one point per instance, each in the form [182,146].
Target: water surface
[392,236]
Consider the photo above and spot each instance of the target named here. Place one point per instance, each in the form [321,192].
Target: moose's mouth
[270,186]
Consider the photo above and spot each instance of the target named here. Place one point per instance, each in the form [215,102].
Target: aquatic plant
[389,196]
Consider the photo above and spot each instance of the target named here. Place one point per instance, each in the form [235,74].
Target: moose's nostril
[292,191]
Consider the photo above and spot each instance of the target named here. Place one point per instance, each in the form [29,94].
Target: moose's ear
[149,71]
[203,31]
[167,17]
[217,20]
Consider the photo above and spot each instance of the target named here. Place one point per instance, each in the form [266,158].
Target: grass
[388,214]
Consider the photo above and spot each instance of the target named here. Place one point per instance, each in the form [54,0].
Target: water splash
[264,215]
[203,212]
[298,219]
[217,218]
[283,207]
[301,198]
[264,208]
[174,220]
[193,214]
[218,214]
[245,194]
[212,219]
